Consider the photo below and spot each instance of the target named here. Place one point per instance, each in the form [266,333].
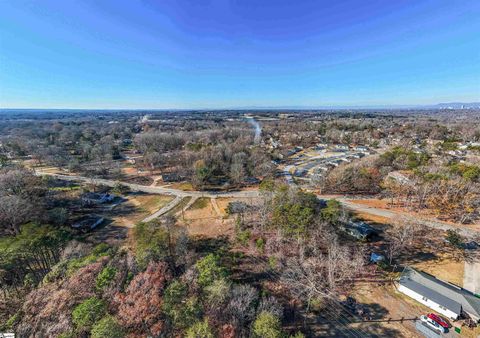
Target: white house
[447,299]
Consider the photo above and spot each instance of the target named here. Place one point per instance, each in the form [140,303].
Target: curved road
[180,194]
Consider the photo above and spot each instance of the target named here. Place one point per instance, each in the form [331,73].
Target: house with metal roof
[445,298]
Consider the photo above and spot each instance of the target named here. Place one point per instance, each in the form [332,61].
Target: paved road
[157,190]
[164,210]
[467,232]
[470,233]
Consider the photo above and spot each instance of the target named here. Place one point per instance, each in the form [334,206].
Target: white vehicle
[432,324]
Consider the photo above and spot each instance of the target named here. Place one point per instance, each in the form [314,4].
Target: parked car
[432,324]
[442,322]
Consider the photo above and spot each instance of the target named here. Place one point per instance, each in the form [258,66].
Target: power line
[355,332]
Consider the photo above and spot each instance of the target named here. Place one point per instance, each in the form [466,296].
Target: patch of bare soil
[210,227]
[129,171]
[201,209]
[392,307]
[444,267]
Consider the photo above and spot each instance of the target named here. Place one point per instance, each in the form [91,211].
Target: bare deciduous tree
[14,211]
[401,235]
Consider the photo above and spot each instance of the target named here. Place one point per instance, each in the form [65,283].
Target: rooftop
[443,293]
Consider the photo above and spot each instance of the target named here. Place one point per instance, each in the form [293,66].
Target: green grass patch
[200,203]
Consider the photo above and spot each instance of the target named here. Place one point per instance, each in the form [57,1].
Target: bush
[454,238]
[107,327]
[11,322]
[332,212]
[209,270]
[200,330]
[87,313]
[272,262]
[260,244]
[267,325]
[105,277]
[57,272]
[243,236]
[120,188]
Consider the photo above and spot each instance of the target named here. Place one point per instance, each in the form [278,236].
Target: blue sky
[219,53]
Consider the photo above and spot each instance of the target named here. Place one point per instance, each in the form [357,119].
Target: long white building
[447,299]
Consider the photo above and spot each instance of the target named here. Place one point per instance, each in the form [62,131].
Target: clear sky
[225,53]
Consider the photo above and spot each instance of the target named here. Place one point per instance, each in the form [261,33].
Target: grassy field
[151,203]
[200,203]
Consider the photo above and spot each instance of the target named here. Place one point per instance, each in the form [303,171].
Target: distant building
[341,147]
[362,149]
[172,177]
[93,198]
[445,298]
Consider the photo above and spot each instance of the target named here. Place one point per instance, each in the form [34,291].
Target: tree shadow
[108,232]
[250,270]
[413,256]
[335,320]
[206,245]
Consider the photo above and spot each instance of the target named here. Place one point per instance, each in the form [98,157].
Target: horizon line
[253,107]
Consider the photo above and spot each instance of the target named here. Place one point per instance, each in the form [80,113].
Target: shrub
[454,238]
[272,262]
[107,327]
[67,334]
[267,325]
[105,277]
[260,244]
[332,212]
[11,322]
[243,236]
[120,188]
[87,313]
[209,269]
[200,330]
